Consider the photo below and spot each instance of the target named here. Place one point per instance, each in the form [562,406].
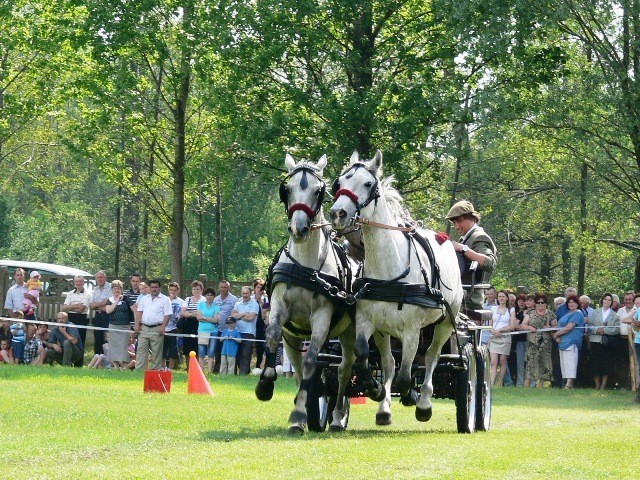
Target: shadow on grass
[279,433]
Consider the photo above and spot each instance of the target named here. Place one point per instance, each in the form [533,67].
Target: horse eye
[368,184]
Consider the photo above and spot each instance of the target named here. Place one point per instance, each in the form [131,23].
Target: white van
[47,269]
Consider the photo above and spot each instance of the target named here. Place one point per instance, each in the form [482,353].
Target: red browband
[301,206]
[348,193]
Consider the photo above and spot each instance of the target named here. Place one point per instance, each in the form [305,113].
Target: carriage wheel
[320,403]
[483,392]
[466,392]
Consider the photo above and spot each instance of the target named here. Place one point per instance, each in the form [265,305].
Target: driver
[475,245]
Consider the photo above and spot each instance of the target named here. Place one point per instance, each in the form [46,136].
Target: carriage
[419,305]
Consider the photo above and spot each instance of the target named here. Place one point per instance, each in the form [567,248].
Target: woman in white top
[504,320]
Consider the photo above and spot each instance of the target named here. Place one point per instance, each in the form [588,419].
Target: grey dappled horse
[392,258]
[309,254]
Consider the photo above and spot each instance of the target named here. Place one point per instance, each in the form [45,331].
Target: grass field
[79,423]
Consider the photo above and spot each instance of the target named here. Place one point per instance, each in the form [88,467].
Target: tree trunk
[582,264]
[221,274]
[361,75]
[566,261]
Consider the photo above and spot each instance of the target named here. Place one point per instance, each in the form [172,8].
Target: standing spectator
[585,306]
[538,364]
[99,299]
[524,303]
[616,302]
[188,323]
[226,301]
[625,313]
[64,345]
[246,312]
[34,352]
[569,339]
[118,310]
[475,248]
[133,293]
[170,351]
[263,318]
[154,311]
[561,310]
[504,319]
[603,327]
[18,337]
[490,301]
[635,325]
[231,339]
[76,306]
[15,295]
[208,315]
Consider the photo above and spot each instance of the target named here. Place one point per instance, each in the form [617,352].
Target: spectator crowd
[532,340]
[536,341]
[137,328]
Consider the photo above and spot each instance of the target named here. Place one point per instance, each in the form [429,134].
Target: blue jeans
[208,350]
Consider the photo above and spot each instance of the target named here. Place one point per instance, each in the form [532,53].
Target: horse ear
[289,162]
[377,159]
[322,163]
[355,158]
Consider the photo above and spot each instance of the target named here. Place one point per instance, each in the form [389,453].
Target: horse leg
[298,417]
[388,365]
[441,333]
[408,396]
[347,339]
[372,388]
[273,334]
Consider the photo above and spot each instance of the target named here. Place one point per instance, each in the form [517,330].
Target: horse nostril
[342,213]
[290,229]
[303,231]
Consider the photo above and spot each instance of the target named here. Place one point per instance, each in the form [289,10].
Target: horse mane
[394,199]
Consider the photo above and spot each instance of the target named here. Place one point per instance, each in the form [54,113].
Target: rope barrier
[105,329]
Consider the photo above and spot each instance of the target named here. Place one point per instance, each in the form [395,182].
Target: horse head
[355,188]
[302,192]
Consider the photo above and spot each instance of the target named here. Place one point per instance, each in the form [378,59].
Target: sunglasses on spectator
[541,303]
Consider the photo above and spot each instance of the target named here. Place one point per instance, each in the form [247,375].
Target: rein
[365,221]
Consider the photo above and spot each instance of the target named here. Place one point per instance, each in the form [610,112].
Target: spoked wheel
[320,403]
[466,392]
[483,393]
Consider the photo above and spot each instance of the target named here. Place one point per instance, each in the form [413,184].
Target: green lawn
[79,423]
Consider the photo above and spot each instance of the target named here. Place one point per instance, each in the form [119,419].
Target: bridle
[374,194]
[374,191]
[312,212]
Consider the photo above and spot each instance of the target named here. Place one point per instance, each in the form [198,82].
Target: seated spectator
[101,360]
[5,331]
[64,345]
[5,352]
[42,332]
[34,353]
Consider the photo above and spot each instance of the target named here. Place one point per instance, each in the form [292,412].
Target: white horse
[395,267]
[307,298]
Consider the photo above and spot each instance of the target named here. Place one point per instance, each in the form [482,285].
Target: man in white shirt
[154,312]
[15,295]
[99,298]
[76,306]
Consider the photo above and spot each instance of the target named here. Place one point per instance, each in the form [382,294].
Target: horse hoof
[297,430]
[383,418]
[423,414]
[264,390]
[337,428]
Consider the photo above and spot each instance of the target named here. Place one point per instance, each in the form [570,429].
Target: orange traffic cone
[196,381]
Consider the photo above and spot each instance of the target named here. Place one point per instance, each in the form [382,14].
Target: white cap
[34,274]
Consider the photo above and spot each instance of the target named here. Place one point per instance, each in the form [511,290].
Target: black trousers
[100,319]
